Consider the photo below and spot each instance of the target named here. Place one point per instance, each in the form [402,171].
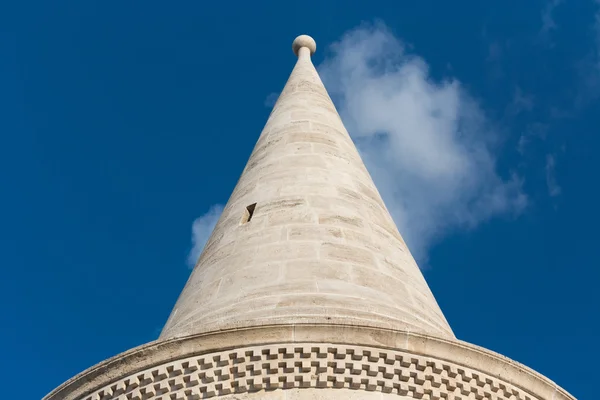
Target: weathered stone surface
[315,205]
[306,290]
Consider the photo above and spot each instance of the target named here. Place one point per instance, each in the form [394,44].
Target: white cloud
[533,131]
[201,230]
[553,188]
[521,102]
[596,28]
[427,144]
[548,23]
[588,68]
[271,99]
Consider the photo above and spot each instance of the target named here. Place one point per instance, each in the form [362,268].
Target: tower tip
[304,41]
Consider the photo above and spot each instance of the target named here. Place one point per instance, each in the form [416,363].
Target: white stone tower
[306,289]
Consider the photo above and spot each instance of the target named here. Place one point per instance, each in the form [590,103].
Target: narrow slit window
[248,213]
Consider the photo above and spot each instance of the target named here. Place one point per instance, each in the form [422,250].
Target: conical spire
[305,236]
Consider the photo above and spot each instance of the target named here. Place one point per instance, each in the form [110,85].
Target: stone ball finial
[304,41]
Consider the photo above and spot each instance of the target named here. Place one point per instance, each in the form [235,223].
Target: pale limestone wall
[321,246]
[309,362]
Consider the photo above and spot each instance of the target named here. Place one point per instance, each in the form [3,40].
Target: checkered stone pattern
[281,367]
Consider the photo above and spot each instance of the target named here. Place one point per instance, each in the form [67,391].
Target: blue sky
[478,121]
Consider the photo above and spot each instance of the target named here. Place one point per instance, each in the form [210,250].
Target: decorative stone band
[309,365]
[417,367]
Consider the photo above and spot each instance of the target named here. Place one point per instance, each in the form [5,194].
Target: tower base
[309,362]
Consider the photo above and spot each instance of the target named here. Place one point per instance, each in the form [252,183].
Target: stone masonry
[306,290]
[321,245]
